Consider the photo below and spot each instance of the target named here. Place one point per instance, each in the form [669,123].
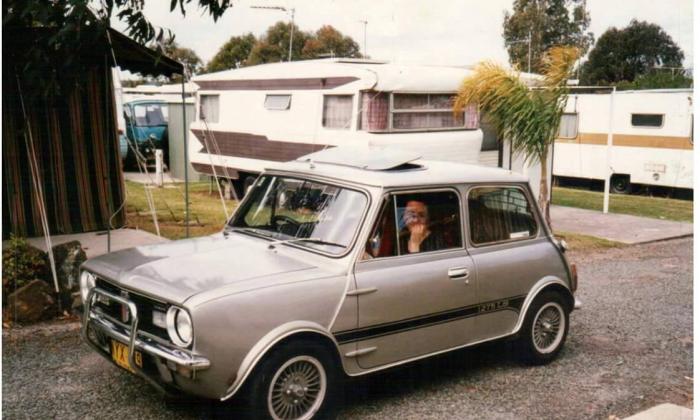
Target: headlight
[179,326]
[87,282]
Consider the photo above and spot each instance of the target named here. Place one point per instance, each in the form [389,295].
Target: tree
[233,54]
[550,23]
[663,79]
[625,54]
[75,24]
[274,45]
[185,56]
[329,41]
[528,117]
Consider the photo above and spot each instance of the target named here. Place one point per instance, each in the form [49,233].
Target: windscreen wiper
[319,241]
[253,231]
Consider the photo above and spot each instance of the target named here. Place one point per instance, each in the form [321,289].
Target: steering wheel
[279,220]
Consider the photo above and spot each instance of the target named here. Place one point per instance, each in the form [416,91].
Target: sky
[448,32]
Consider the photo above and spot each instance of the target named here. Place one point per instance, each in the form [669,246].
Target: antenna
[291,27]
[364,48]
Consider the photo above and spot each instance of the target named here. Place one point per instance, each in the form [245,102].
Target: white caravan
[652,142]
[249,118]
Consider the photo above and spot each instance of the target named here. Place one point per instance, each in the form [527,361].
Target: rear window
[500,214]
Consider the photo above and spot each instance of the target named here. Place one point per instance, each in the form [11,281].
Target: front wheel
[297,381]
[545,329]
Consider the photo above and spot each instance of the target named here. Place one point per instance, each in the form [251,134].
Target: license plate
[120,355]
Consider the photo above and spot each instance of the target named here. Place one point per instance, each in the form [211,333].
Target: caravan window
[647,120]
[209,108]
[337,111]
[568,126]
[421,111]
[278,102]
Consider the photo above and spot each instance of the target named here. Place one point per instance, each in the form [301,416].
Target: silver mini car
[339,264]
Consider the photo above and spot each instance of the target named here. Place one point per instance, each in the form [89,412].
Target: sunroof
[372,158]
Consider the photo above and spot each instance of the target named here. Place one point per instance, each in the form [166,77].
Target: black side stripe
[512,304]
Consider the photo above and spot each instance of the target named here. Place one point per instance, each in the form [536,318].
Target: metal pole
[187,161]
[291,37]
[529,50]
[608,153]
[364,48]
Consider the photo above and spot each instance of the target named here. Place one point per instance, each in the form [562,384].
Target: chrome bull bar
[106,326]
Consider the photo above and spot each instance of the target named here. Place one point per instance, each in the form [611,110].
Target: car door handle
[458,273]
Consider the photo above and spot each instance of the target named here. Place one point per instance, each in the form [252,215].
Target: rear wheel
[299,380]
[544,331]
[620,184]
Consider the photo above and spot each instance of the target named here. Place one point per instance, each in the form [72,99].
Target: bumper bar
[143,344]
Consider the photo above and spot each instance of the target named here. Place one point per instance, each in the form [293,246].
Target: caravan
[652,138]
[253,117]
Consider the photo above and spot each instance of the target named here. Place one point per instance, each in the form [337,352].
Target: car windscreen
[303,212]
[150,115]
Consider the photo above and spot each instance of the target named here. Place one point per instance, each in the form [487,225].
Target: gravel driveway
[629,348]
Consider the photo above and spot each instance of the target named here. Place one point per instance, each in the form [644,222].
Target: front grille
[144,306]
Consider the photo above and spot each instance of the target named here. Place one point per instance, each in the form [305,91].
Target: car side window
[499,214]
[411,223]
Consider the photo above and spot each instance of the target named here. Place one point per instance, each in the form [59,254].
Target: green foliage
[551,23]
[658,80]
[625,54]
[233,54]
[273,47]
[528,117]
[329,41]
[185,56]
[21,263]
[74,26]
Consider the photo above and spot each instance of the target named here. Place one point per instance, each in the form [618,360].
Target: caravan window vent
[278,102]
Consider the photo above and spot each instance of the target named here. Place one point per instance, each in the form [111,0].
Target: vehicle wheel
[620,184]
[297,381]
[544,331]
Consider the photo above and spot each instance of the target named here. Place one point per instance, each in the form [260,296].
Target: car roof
[386,167]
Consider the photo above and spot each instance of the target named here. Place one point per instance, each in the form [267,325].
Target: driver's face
[416,213]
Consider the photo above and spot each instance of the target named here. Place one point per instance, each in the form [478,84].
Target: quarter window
[209,108]
[499,214]
[413,223]
[278,102]
[647,120]
[568,126]
[337,111]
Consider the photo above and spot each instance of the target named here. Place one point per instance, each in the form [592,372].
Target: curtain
[337,111]
[375,111]
[568,127]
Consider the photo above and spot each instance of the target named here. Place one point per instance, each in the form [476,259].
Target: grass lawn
[206,211]
[637,205]
[578,242]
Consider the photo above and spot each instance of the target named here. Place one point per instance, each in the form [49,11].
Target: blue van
[146,130]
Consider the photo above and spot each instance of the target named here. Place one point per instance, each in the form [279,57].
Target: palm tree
[528,116]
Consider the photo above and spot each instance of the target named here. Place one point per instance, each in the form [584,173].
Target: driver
[416,235]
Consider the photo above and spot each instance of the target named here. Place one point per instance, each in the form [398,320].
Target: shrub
[21,263]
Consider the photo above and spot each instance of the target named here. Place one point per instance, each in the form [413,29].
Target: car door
[414,302]
[510,250]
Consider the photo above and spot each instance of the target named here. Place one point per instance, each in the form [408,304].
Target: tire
[620,184]
[282,385]
[544,331]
